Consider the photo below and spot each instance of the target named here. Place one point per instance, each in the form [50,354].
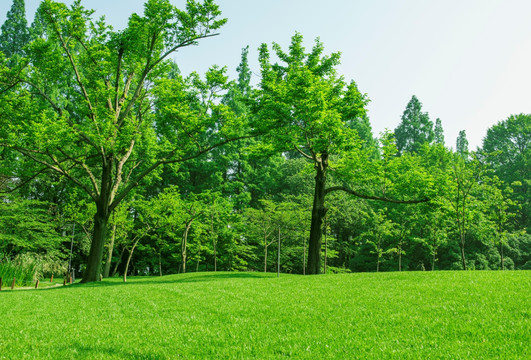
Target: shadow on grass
[87,352]
[171,279]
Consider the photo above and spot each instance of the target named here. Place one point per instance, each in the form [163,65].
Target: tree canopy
[106,148]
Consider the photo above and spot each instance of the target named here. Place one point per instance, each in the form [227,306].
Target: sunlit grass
[439,315]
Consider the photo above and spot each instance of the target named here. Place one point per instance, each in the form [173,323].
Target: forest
[113,163]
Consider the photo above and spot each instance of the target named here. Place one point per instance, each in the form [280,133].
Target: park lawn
[408,315]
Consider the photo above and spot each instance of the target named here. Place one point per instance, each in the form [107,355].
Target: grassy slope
[440,315]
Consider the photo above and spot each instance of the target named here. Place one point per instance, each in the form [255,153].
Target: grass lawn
[409,315]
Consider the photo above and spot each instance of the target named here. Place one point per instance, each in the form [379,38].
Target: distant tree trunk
[460,209]
[160,263]
[213,241]
[326,245]
[265,257]
[278,254]
[318,213]
[118,262]
[136,240]
[400,258]
[107,268]
[378,251]
[198,260]
[215,258]
[303,255]
[501,253]
[433,260]
[462,246]
[184,243]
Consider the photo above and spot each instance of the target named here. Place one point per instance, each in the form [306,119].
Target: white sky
[468,61]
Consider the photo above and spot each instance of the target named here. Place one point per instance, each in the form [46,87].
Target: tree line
[111,156]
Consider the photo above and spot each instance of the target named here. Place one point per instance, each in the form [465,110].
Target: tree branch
[46,97]
[24,182]
[119,170]
[57,169]
[76,71]
[303,153]
[149,67]
[86,168]
[167,160]
[370,197]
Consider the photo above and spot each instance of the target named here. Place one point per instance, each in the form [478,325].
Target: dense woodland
[112,162]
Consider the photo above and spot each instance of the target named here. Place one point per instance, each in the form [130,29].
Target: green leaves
[303,103]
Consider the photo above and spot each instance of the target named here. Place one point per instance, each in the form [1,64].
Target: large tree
[85,100]
[308,108]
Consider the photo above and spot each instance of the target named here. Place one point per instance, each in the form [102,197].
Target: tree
[461,145]
[498,202]
[14,32]
[463,182]
[415,128]
[381,227]
[27,226]
[507,152]
[88,117]
[261,225]
[438,132]
[305,106]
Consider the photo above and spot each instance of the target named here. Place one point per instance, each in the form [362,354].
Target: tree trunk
[118,262]
[501,253]
[93,270]
[399,259]
[215,258]
[318,213]
[265,258]
[303,255]
[379,254]
[129,259]
[326,245]
[184,244]
[198,259]
[213,242]
[278,254]
[462,246]
[107,268]
[101,219]
[160,263]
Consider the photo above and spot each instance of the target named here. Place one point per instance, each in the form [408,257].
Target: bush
[24,271]
[27,268]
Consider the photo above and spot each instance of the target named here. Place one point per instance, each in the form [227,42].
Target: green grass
[410,315]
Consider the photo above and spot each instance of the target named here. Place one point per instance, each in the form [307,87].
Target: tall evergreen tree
[15,33]
[461,144]
[438,133]
[415,128]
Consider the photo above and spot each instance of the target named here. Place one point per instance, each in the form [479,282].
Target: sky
[467,61]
